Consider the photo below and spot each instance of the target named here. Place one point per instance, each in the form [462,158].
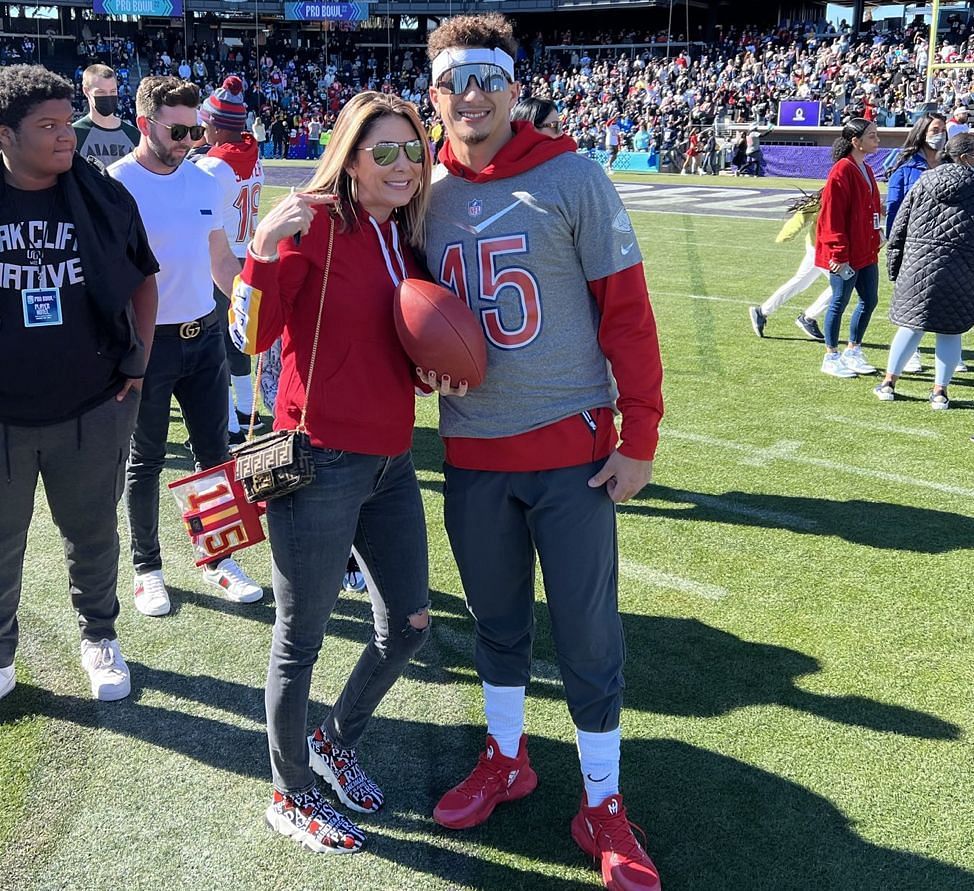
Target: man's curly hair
[489,31]
[22,87]
[154,92]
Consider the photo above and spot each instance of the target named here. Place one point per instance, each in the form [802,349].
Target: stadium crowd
[655,97]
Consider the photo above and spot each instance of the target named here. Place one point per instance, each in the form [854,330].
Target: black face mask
[105,105]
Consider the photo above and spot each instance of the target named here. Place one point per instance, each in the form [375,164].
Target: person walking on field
[930,253]
[847,245]
[804,218]
[533,464]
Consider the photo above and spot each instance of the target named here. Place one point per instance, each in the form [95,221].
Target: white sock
[504,707]
[598,754]
[233,422]
[243,389]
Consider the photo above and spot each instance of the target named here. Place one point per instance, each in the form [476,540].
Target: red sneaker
[493,781]
[605,834]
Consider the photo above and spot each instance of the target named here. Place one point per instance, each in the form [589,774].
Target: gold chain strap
[314,346]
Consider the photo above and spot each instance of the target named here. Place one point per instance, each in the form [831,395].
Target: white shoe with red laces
[605,834]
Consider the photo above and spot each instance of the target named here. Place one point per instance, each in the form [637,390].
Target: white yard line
[656,579]
[825,464]
[860,424]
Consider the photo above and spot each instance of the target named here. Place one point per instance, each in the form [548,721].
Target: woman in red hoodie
[847,244]
[360,413]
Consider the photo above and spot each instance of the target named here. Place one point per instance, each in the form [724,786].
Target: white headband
[451,58]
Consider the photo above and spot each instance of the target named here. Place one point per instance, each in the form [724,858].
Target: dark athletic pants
[496,522]
[81,463]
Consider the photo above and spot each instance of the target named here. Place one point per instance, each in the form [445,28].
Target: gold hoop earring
[353,189]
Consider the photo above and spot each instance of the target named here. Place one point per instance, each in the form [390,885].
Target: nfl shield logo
[475,207]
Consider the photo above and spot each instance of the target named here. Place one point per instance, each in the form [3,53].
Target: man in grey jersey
[534,238]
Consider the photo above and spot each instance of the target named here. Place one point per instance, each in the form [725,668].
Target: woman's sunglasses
[385,153]
[178,132]
[553,126]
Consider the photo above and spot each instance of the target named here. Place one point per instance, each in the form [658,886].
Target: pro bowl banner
[799,114]
[341,11]
[217,516]
[160,8]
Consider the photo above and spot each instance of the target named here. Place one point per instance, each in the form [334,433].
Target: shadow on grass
[686,667]
[713,821]
[873,524]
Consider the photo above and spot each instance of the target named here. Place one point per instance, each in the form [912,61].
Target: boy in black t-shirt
[77,314]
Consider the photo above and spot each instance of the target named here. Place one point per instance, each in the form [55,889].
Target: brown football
[439,332]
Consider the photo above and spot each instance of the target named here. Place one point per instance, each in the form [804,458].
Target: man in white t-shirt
[232,157]
[182,210]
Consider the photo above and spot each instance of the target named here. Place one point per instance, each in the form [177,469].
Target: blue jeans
[866,283]
[374,503]
[195,372]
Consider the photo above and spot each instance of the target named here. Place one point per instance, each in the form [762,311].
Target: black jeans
[195,372]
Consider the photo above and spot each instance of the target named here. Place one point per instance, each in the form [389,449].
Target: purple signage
[799,114]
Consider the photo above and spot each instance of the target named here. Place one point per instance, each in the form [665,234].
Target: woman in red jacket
[847,244]
[360,414]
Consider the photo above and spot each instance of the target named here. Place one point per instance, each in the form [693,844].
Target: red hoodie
[627,336]
[363,391]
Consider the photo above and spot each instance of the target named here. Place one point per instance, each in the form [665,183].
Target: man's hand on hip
[622,477]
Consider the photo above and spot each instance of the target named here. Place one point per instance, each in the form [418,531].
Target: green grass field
[796,590]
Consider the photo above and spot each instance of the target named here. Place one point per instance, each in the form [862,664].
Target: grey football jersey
[521,251]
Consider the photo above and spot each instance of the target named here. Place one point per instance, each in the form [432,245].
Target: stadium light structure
[256,36]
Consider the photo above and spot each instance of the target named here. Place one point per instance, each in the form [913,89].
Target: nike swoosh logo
[628,248]
[590,778]
[501,213]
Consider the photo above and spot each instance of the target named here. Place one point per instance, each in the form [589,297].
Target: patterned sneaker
[354,583]
[833,365]
[312,822]
[8,680]
[854,360]
[493,781]
[106,669]
[913,364]
[235,583]
[151,596]
[939,401]
[340,769]
[605,834]
[758,320]
[810,327]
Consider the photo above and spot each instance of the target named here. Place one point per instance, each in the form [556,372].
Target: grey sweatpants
[496,521]
[82,464]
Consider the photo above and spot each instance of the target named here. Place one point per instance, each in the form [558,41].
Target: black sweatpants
[82,465]
[496,523]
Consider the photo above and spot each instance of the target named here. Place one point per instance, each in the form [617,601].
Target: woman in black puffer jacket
[931,260]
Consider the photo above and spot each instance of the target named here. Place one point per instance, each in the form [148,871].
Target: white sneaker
[854,360]
[8,680]
[151,596]
[235,583]
[107,669]
[913,364]
[834,365]
[961,367]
